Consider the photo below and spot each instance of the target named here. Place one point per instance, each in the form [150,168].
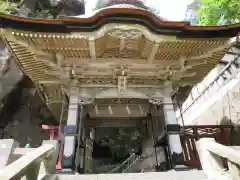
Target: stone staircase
[40,164]
[126,165]
[170,175]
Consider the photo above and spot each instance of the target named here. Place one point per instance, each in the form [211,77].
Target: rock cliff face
[21,116]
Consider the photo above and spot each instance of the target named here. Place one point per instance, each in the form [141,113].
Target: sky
[170,9]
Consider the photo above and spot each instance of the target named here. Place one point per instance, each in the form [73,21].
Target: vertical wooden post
[70,131]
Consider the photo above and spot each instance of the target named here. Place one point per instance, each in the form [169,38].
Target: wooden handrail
[211,154]
[35,164]
[224,151]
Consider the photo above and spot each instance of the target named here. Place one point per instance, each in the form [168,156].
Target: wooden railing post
[48,165]
[208,160]
[211,154]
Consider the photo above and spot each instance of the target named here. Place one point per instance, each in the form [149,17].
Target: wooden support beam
[122,44]
[153,53]
[108,61]
[92,49]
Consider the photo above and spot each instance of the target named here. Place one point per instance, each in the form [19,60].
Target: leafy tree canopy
[215,12]
[6,7]
[42,8]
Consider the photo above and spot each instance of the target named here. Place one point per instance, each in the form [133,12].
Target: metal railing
[129,163]
[125,164]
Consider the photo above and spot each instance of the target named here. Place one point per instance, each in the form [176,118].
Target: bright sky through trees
[169,9]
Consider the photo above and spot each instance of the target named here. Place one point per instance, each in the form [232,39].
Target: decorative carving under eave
[121,101]
[144,81]
[96,80]
[114,81]
[125,33]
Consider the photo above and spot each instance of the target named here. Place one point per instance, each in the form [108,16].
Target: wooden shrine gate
[221,133]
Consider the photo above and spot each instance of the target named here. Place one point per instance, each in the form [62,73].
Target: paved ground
[170,175]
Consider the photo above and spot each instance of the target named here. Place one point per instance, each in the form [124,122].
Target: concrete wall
[24,125]
[227,106]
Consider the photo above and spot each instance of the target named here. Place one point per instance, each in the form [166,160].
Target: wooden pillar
[80,141]
[172,130]
[159,139]
[70,131]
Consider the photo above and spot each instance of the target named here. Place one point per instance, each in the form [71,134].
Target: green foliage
[41,14]
[214,12]
[6,7]
[124,142]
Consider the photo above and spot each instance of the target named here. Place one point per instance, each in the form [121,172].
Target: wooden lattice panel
[66,46]
[203,132]
[203,69]
[175,49]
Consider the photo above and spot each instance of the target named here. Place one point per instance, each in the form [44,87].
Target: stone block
[7,146]
[53,161]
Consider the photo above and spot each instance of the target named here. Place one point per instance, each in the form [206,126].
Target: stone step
[170,175]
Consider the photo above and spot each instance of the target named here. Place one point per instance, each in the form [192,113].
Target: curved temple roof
[91,52]
[118,14]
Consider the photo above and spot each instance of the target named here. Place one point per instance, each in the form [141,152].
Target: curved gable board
[118,15]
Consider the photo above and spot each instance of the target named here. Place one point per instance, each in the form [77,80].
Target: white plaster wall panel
[213,97]
[228,105]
